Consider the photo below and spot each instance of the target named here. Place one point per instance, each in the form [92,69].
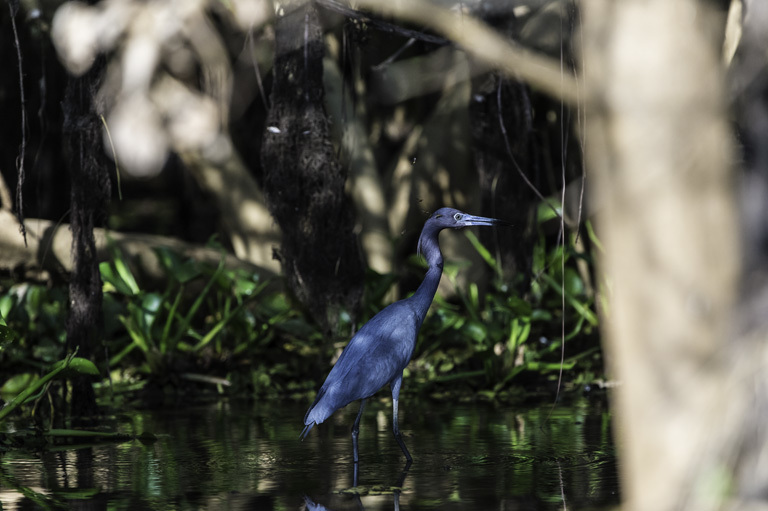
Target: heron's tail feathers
[310,418]
[305,431]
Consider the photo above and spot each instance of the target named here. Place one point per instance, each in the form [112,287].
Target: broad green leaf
[32,302]
[547,210]
[182,271]
[519,307]
[77,365]
[150,306]
[17,383]
[484,252]
[6,304]
[476,331]
[126,275]
[7,334]
[110,277]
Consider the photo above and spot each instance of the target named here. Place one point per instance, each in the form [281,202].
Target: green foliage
[210,327]
[214,316]
[487,339]
[34,387]
[32,330]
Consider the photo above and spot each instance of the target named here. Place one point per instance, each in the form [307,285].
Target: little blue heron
[379,352]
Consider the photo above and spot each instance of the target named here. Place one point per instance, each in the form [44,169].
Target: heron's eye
[438,215]
[457,216]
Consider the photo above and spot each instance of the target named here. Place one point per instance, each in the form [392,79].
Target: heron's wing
[379,351]
[375,355]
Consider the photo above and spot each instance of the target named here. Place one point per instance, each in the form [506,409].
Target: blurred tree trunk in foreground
[304,184]
[692,373]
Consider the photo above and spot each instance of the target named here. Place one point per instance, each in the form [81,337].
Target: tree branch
[484,44]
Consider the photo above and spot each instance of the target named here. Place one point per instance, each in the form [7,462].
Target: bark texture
[304,184]
[89,195]
[660,150]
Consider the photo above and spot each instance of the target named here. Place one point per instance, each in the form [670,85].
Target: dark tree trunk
[502,134]
[304,184]
[89,196]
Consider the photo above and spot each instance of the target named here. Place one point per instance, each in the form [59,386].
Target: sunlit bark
[660,150]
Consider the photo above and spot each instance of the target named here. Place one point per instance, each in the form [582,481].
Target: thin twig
[394,56]
[581,115]
[512,156]
[255,63]
[561,234]
[564,136]
[114,156]
[20,160]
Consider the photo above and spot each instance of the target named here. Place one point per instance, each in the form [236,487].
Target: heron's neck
[426,292]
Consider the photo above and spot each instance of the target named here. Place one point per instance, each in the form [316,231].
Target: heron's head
[449,218]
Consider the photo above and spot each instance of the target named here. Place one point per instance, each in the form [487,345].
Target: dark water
[248,456]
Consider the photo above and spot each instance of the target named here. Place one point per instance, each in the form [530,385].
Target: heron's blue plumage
[378,353]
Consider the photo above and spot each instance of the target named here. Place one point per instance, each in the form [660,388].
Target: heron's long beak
[468,220]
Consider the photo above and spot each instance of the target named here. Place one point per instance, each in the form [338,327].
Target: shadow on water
[247,456]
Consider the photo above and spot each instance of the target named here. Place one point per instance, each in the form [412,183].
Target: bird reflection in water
[396,489]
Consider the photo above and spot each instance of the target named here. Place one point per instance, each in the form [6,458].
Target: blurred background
[247,180]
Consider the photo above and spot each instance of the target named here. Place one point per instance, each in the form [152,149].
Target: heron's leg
[355,431]
[395,426]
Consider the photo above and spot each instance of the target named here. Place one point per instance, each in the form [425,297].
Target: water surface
[232,455]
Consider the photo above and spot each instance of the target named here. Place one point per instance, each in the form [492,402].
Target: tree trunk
[502,132]
[659,147]
[89,195]
[304,184]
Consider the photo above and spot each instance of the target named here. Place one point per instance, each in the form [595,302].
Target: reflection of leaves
[41,500]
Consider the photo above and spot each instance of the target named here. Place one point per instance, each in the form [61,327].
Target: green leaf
[186,320]
[547,210]
[31,389]
[33,298]
[111,278]
[6,304]
[166,340]
[150,305]
[519,307]
[573,283]
[81,433]
[77,365]
[134,330]
[476,331]
[593,236]
[182,271]
[217,328]
[17,383]
[484,252]
[7,334]
[125,273]
[582,308]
